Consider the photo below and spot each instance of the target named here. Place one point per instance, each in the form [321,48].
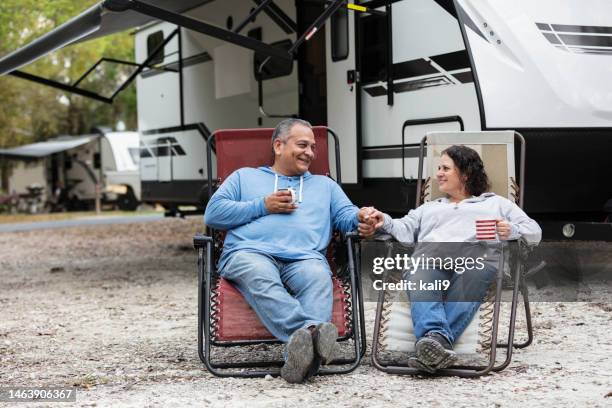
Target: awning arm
[117,61]
[59,85]
[281,19]
[207,29]
[90,94]
[252,15]
[331,9]
[361,7]
[145,63]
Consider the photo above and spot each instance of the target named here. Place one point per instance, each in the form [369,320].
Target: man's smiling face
[294,154]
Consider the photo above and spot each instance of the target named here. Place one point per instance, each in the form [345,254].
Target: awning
[43,149]
[106,17]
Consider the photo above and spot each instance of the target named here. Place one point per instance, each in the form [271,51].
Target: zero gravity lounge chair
[477,346]
[224,317]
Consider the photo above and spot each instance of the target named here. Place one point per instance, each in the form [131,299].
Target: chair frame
[205,246]
[519,284]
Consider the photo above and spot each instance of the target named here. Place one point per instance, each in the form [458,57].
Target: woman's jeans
[450,311]
[286,296]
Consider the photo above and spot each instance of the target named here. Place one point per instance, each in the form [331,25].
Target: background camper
[65,170]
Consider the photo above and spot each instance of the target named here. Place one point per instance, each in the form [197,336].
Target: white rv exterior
[220,91]
[380,78]
[541,68]
[120,156]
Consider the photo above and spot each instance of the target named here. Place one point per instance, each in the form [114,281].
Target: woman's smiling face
[450,180]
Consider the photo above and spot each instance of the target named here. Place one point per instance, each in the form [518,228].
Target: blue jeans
[286,296]
[443,311]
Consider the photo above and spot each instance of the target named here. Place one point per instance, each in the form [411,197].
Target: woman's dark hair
[470,165]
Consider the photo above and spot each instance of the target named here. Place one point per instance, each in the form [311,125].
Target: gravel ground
[112,311]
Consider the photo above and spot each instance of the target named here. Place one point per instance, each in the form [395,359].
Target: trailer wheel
[128,201]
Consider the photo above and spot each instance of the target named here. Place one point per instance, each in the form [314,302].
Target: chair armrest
[200,240]
[384,238]
[352,234]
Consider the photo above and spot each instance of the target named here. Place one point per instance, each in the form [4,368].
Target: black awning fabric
[97,21]
[78,27]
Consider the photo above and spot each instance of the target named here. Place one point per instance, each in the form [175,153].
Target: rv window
[255,33]
[135,154]
[163,146]
[276,67]
[339,35]
[96,161]
[373,44]
[153,41]
[144,152]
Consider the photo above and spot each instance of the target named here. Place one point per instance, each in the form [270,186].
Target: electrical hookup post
[98,204]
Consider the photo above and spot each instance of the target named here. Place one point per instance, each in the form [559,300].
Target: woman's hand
[370,219]
[504,229]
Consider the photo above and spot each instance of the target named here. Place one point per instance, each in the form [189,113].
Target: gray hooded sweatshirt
[444,221]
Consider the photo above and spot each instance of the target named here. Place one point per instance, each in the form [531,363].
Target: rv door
[342,91]
[164,159]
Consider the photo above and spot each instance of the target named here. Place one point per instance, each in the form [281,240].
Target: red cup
[486,230]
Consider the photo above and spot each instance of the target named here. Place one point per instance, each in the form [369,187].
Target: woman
[462,178]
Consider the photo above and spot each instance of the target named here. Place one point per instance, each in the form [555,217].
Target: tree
[31,112]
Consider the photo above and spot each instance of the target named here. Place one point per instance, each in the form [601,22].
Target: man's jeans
[447,312]
[286,296]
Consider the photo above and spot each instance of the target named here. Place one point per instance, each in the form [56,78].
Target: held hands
[503,229]
[370,219]
[279,203]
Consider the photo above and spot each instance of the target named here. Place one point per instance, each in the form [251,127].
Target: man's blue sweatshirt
[238,207]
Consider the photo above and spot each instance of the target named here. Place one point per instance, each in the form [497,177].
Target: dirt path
[112,310]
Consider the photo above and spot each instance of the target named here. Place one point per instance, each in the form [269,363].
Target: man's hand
[370,219]
[279,203]
[503,229]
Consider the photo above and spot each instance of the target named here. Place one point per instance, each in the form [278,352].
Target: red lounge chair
[224,317]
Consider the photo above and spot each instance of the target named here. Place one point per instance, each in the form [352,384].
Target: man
[279,221]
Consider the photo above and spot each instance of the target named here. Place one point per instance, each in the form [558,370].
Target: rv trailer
[381,74]
[78,165]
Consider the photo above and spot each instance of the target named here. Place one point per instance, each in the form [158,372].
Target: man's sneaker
[433,350]
[324,338]
[299,357]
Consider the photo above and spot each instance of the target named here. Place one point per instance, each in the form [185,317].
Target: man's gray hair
[282,130]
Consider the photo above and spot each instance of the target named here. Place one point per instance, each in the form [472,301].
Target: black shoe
[299,358]
[324,338]
[435,351]
[314,367]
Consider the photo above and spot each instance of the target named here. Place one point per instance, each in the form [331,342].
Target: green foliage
[32,112]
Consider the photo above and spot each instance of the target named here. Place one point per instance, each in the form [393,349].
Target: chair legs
[527,316]
[250,369]
[522,285]
[467,371]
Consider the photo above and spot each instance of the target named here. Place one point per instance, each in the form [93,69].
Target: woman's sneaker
[299,357]
[435,351]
